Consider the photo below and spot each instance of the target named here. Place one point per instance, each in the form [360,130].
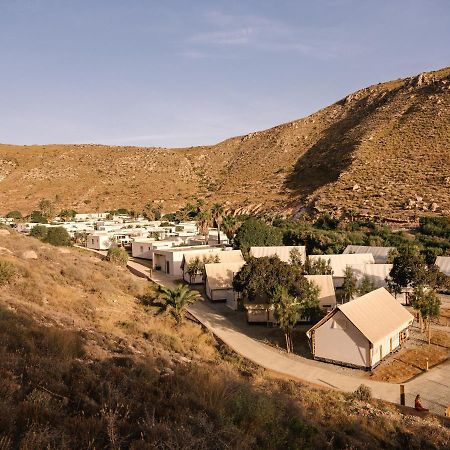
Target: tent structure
[327,295]
[443,262]
[380,254]
[283,252]
[362,332]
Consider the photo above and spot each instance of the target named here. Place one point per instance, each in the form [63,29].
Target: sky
[174,73]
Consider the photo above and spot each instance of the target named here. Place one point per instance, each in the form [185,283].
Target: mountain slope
[382,151]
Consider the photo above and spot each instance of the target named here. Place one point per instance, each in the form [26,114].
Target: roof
[377,315]
[283,252]
[443,262]
[225,256]
[327,294]
[220,275]
[380,254]
[376,272]
[340,262]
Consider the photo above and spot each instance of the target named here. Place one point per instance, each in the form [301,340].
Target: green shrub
[58,236]
[14,215]
[117,255]
[363,393]
[7,272]
[39,232]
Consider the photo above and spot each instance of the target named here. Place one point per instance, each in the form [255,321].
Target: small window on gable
[338,326]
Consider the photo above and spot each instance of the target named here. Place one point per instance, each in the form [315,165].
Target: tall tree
[230,225]
[47,208]
[320,266]
[366,285]
[217,213]
[175,301]
[350,285]
[254,232]
[203,224]
[427,303]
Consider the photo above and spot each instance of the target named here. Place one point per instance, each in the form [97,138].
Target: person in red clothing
[418,404]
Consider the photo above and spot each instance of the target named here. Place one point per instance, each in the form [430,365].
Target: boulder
[29,254]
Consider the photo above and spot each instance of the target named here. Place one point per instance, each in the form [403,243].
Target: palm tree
[230,226]
[217,213]
[176,301]
[203,223]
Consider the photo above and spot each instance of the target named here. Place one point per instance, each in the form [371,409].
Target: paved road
[433,386]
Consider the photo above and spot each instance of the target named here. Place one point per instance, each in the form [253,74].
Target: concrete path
[433,386]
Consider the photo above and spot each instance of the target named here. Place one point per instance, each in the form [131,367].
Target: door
[167,267]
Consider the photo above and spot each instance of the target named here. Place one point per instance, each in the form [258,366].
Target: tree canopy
[256,233]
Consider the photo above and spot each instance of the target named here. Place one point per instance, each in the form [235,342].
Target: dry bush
[7,272]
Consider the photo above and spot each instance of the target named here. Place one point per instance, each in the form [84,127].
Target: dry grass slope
[84,365]
[373,152]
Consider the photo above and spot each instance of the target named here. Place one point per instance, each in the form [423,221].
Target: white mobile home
[219,282]
[362,332]
[339,263]
[380,254]
[443,262]
[99,241]
[283,252]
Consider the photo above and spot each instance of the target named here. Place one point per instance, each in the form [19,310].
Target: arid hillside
[84,364]
[383,151]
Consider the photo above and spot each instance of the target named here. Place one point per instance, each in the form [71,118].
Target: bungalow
[283,252]
[377,273]
[339,263]
[380,254]
[209,255]
[99,241]
[443,262]
[264,312]
[327,295]
[219,282]
[362,332]
[169,260]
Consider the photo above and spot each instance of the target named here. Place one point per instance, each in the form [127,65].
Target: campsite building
[99,241]
[169,260]
[380,254]
[264,312]
[339,263]
[208,255]
[283,252]
[377,273]
[362,332]
[443,262]
[219,282]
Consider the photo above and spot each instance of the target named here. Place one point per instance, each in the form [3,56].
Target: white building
[362,332]
[283,252]
[99,241]
[90,216]
[219,282]
[377,273]
[339,263]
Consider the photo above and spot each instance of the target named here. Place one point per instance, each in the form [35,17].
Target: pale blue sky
[181,73]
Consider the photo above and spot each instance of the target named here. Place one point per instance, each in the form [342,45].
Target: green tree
[17,215]
[350,285]
[287,311]
[67,214]
[203,224]
[39,232]
[230,225]
[217,214]
[58,236]
[117,255]
[175,301]
[320,266]
[152,211]
[366,285]
[37,217]
[193,268]
[47,208]
[256,233]
[427,303]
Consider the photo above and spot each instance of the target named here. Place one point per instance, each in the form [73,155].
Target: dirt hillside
[381,151]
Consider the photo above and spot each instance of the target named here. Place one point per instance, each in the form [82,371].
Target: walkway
[433,386]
